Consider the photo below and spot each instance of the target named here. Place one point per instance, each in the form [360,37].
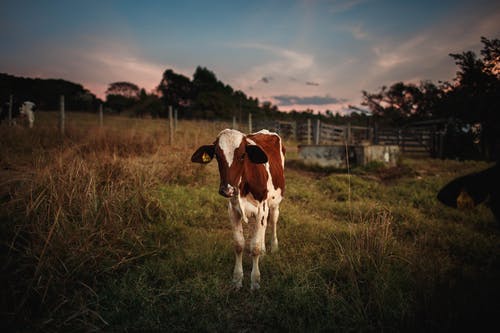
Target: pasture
[114,229]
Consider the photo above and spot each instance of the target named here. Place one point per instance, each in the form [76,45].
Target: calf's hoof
[237,283]
[255,286]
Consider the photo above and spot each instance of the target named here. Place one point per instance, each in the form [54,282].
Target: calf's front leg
[239,244]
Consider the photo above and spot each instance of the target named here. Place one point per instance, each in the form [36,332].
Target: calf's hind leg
[256,248]
[273,219]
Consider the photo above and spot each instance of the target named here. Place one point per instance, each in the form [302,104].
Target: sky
[297,54]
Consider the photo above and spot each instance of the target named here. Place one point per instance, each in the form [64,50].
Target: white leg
[257,248]
[263,224]
[273,219]
[255,275]
[239,244]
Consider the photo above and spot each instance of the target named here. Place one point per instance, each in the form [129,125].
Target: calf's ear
[256,154]
[204,154]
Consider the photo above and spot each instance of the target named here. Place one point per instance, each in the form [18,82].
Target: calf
[251,177]
[472,189]
[27,109]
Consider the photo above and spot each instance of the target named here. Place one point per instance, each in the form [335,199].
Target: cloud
[95,62]
[123,68]
[310,83]
[295,59]
[357,31]
[266,79]
[340,6]
[279,63]
[287,100]
[424,54]
[108,61]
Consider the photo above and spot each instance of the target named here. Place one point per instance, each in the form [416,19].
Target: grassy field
[114,229]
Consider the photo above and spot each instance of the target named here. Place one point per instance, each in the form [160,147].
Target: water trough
[334,155]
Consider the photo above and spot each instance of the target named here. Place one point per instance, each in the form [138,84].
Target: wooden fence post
[11,99]
[175,120]
[62,117]
[318,132]
[308,131]
[441,144]
[101,120]
[250,128]
[349,133]
[171,126]
[400,140]
[234,122]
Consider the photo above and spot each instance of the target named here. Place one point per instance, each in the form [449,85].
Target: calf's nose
[227,191]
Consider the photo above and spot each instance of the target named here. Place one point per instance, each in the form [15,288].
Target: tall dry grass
[78,207]
[115,229]
[371,264]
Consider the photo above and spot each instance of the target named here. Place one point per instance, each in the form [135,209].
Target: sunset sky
[296,54]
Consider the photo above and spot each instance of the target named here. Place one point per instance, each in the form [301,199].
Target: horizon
[298,55]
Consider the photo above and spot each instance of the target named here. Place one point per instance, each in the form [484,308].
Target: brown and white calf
[251,176]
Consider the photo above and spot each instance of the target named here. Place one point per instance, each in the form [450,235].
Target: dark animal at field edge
[470,190]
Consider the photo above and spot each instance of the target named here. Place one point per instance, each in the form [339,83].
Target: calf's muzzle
[228,191]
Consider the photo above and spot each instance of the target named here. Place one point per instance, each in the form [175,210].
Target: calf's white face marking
[229,140]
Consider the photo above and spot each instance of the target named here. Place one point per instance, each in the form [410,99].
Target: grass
[113,229]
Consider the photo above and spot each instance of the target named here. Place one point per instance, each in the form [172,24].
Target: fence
[172,116]
[317,132]
[411,140]
[423,138]
[418,139]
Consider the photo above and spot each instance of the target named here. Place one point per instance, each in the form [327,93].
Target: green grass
[114,229]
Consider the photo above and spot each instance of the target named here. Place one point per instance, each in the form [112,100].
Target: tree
[431,95]
[474,98]
[211,97]
[125,89]
[269,109]
[205,80]
[122,95]
[491,56]
[148,104]
[402,103]
[46,93]
[176,90]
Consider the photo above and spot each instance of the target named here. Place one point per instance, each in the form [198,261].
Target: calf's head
[234,153]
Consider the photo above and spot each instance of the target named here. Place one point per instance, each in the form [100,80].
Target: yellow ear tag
[205,158]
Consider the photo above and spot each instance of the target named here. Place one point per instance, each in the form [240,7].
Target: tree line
[472,97]
[203,97]
[46,93]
